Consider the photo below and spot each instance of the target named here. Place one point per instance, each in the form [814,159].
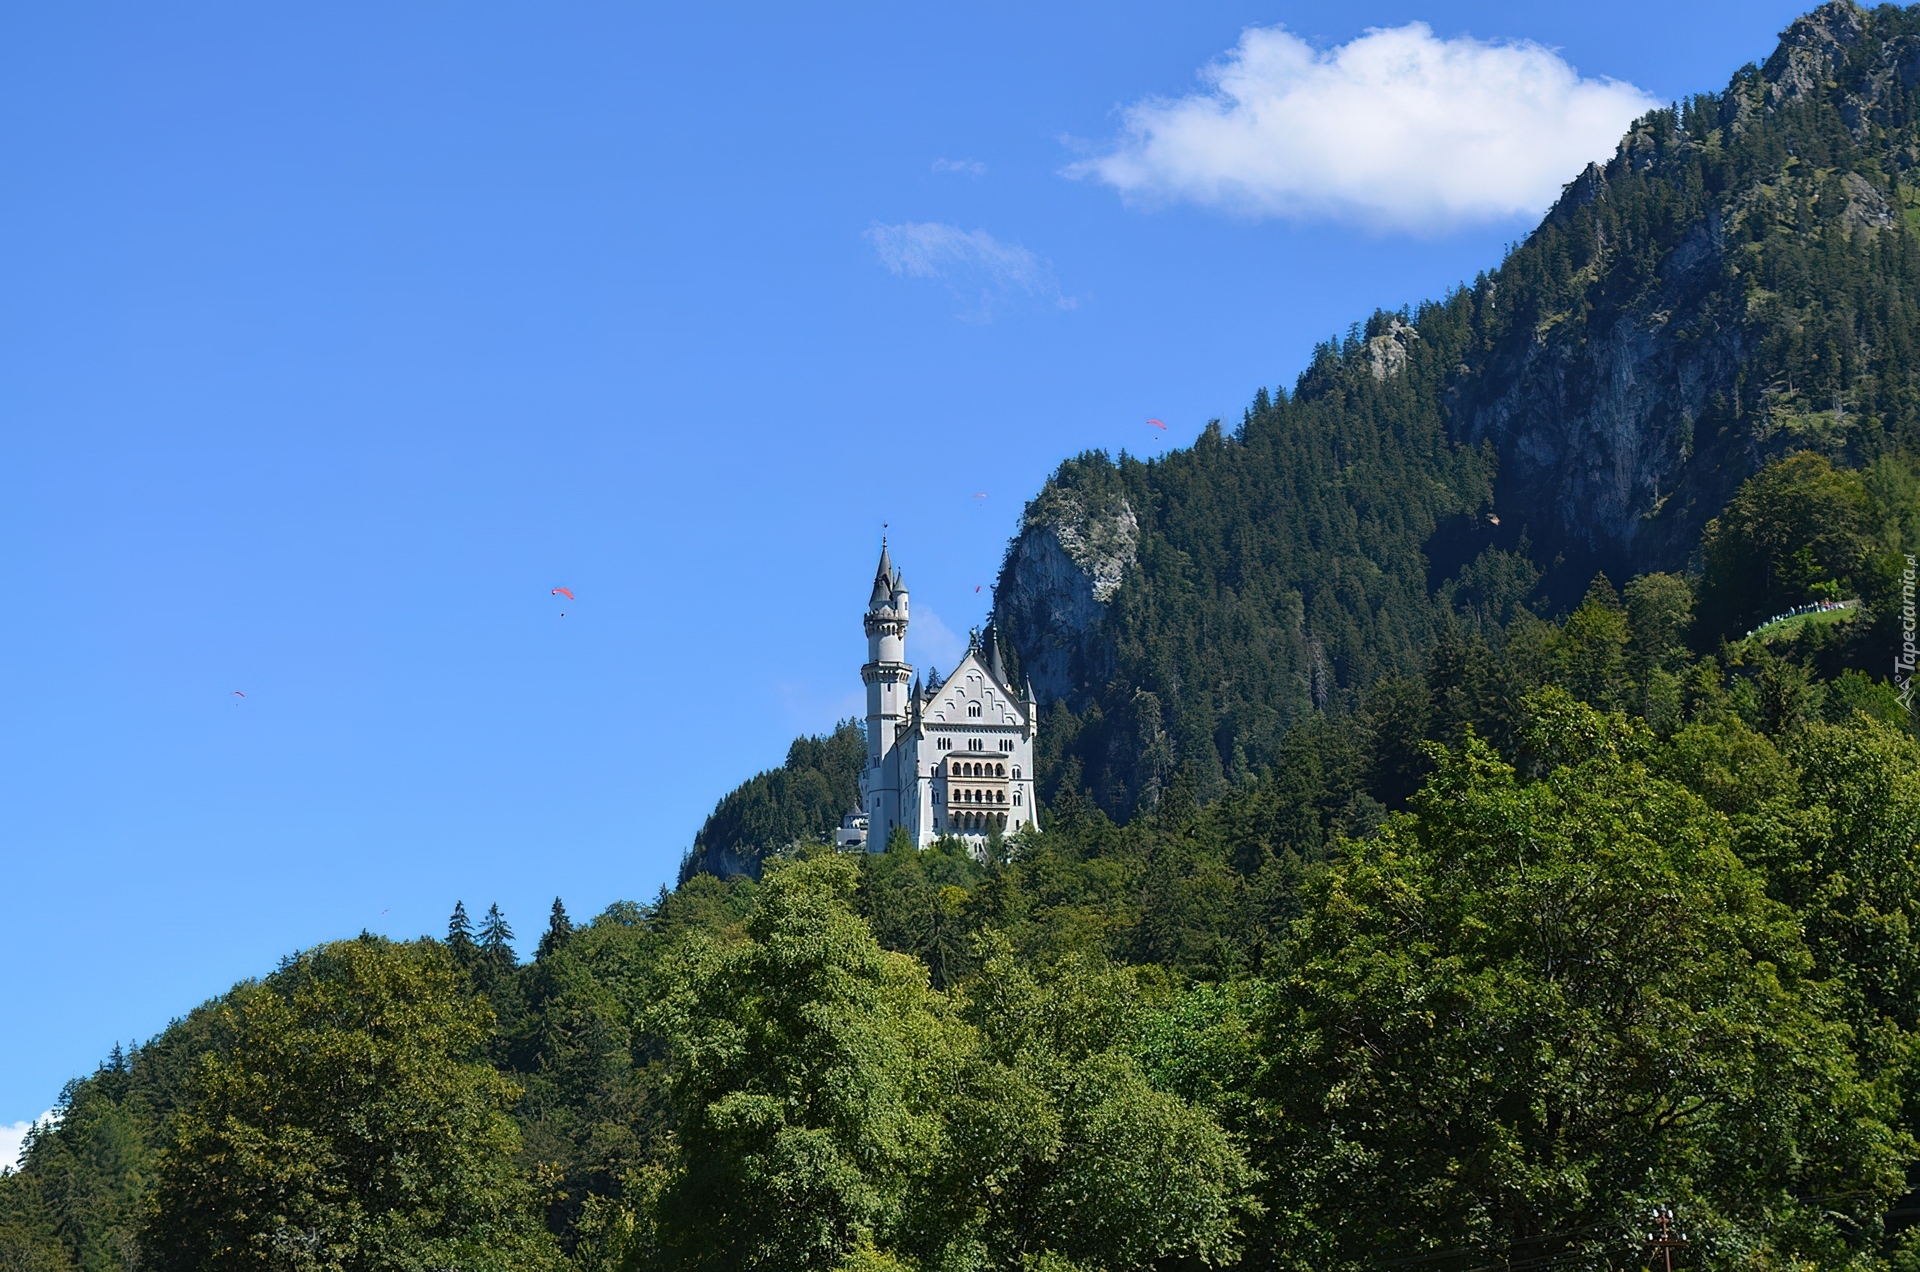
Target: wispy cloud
[935,645]
[11,1139]
[1398,129]
[966,167]
[984,273]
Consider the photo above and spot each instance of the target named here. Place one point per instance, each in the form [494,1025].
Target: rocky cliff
[1077,541]
[1625,420]
[1733,284]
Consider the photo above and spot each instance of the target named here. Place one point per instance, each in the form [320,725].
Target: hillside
[1739,282]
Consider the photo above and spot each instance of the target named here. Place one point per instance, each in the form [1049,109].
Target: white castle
[952,758]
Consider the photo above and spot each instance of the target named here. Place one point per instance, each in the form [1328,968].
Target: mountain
[1740,281]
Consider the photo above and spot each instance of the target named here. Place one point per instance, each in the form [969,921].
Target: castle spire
[991,638]
[884,584]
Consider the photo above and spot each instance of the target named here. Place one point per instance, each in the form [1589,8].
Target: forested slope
[1738,283]
[1603,959]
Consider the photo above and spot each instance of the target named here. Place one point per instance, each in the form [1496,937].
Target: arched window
[1002,798]
[999,770]
[973,710]
[1016,772]
[1016,799]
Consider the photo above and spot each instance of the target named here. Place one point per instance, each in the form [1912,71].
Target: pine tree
[559,930]
[460,934]
[496,937]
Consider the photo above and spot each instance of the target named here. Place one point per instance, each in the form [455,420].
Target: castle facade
[949,758]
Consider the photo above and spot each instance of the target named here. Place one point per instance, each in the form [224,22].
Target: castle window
[999,770]
[946,743]
[973,710]
[1016,799]
[1002,798]
[1016,772]
[976,744]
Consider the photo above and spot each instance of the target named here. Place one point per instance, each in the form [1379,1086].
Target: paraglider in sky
[1157,424]
[977,588]
[979,494]
[562,591]
[238,694]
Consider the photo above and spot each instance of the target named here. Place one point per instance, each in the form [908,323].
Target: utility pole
[1663,1240]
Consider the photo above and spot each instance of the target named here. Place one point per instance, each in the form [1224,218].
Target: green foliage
[1060,1147]
[1795,528]
[807,1062]
[349,1124]
[1578,980]
[800,802]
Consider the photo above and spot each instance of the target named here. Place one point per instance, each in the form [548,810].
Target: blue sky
[333,338]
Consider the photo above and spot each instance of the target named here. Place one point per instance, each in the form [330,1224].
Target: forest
[1419,884]
[1578,922]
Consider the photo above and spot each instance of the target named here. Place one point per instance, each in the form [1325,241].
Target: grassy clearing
[1788,628]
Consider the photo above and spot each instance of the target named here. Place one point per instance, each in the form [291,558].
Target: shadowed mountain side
[1737,283]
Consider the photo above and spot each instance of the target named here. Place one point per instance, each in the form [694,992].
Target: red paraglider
[238,694]
[561,591]
[1157,424]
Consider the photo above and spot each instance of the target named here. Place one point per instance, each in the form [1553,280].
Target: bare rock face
[1810,49]
[1596,431]
[1072,554]
[1614,427]
[1867,207]
[1387,352]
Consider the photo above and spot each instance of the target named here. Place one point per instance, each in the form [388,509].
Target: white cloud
[966,167]
[1397,129]
[978,268]
[12,1137]
[934,643]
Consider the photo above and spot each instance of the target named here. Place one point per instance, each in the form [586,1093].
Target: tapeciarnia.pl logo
[1903,661]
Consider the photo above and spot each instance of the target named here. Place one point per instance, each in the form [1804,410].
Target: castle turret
[888,677]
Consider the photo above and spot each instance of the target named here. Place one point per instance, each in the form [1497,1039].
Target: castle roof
[886,581]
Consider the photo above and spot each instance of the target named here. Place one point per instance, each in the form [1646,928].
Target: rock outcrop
[1623,424]
[1076,543]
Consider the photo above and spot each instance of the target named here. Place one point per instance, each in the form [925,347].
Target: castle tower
[888,677]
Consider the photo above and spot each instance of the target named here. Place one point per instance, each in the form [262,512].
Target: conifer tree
[496,937]
[559,930]
[460,934]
